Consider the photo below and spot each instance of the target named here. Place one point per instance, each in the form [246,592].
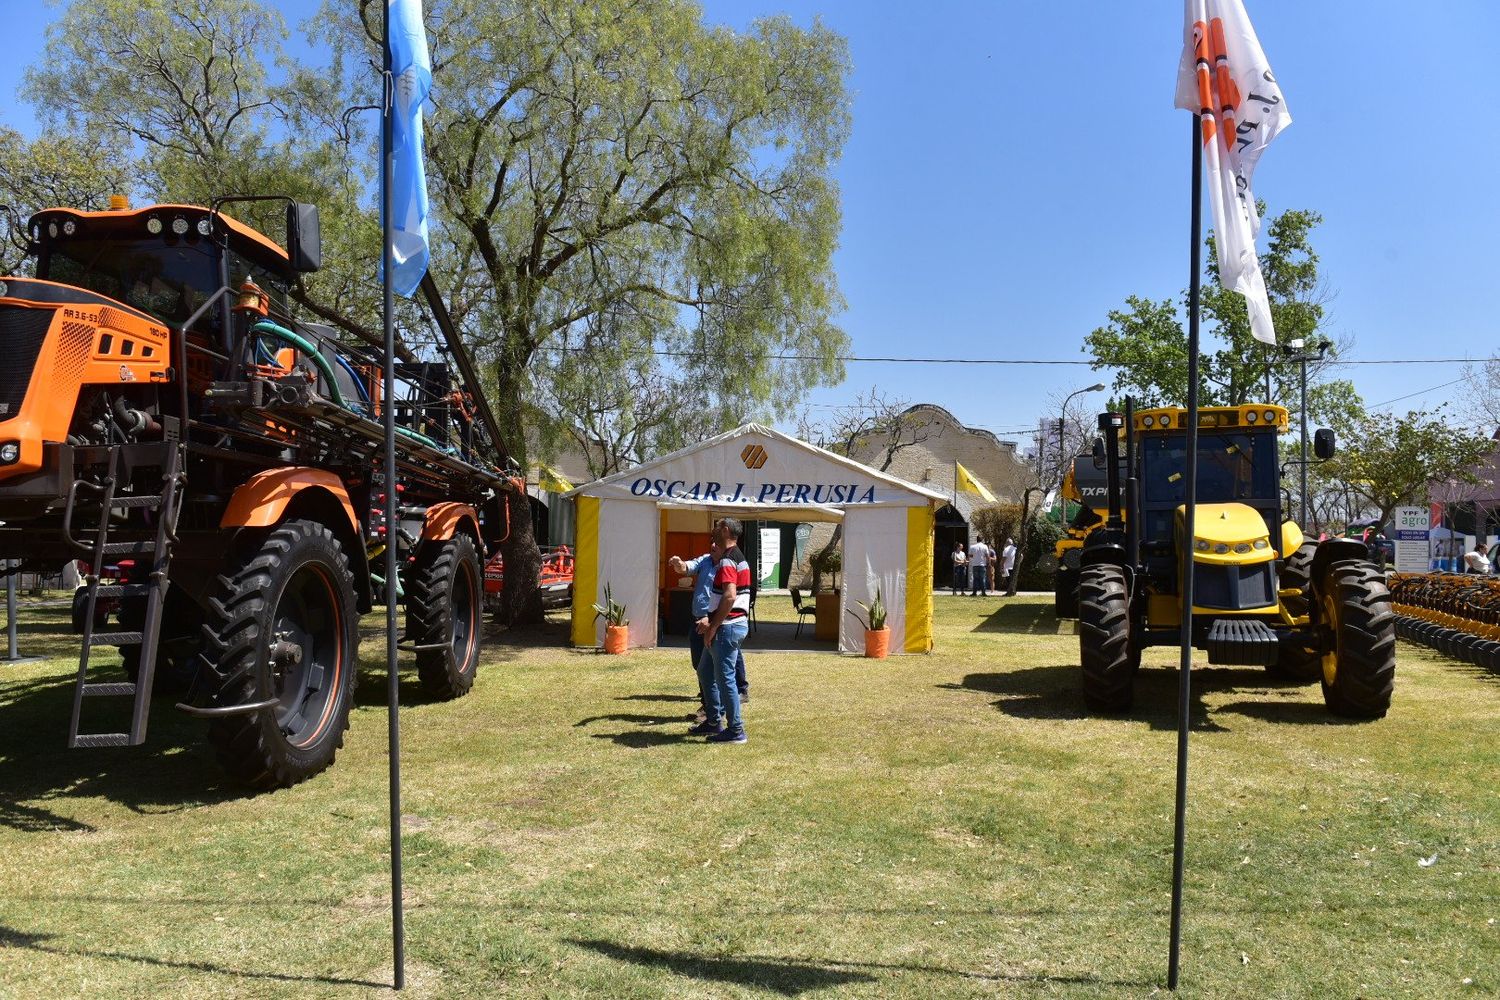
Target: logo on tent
[754,456]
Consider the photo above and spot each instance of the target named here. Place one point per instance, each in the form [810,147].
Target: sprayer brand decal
[833,494]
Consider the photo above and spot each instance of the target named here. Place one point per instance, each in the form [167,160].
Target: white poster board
[1411,526]
[768,572]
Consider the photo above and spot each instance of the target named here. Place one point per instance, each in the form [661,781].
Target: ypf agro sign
[1411,525]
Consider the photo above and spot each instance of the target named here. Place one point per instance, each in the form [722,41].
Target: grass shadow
[657,697]
[12,938]
[644,739]
[1299,712]
[786,976]
[1025,618]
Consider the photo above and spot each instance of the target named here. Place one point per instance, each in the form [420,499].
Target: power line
[1420,392]
[854,358]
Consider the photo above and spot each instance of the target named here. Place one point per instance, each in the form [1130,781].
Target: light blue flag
[412,74]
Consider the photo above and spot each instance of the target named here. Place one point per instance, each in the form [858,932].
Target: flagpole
[1185,673]
[393,683]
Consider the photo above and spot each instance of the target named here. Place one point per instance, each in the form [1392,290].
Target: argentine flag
[411,73]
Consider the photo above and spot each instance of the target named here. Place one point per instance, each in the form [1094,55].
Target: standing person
[960,569]
[723,631]
[979,568]
[701,570]
[1008,562]
[1477,561]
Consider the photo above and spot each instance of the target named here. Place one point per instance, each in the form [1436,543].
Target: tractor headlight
[10,451]
[1270,416]
[153,226]
[180,226]
[204,228]
[1149,421]
[52,230]
[1221,549]
[1261,543]
[1252,417]
[70,227]
[1242,548]
[1201,546]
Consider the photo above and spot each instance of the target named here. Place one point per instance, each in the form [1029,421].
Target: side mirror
[304,238]
[1101,458]
[1323,443]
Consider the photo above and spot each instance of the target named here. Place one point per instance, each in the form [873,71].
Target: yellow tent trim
[586,571]
[919,579]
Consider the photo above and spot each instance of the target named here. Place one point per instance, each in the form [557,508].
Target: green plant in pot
[616,625]
[877,636]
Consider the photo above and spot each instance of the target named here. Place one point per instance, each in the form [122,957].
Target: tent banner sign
[777,494]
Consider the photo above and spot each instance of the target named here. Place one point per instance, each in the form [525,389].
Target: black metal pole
[10,611]
[1304,439]
[1185,674]
[392,524]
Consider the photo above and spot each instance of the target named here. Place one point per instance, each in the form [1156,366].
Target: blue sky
[1014,174]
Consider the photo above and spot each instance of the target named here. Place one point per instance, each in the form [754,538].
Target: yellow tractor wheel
[1359,664]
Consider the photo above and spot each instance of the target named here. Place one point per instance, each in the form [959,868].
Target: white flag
[1225,78]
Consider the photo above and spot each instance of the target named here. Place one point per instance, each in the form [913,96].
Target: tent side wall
[617,547]
[874,557]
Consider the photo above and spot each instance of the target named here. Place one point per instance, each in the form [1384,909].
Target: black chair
[803,610]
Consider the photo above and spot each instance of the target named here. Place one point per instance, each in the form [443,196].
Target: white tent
[757,473]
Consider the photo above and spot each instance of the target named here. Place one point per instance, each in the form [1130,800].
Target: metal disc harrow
[1455,613]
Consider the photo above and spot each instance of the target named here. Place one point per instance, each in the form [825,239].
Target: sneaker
[729,736]
[706,728]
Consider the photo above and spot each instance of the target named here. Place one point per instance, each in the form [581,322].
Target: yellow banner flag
[965,480]
[552,481]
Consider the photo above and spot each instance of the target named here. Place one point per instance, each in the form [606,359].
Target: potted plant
[877,636]
[616,631]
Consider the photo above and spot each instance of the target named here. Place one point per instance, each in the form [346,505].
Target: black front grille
[1232,587]
[23,330]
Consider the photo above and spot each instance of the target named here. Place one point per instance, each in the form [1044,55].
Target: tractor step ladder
[98,548]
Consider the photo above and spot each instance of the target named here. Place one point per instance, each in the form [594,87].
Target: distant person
[994,564]
[979,569]
[960,569]
[1477,561]
[1008,561]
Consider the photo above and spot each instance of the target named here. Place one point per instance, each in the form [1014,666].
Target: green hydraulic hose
[307,347]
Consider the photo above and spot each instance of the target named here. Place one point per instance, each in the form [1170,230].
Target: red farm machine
[161,410]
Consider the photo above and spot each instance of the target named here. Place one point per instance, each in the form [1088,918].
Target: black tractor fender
[1332,550]
[1110,553]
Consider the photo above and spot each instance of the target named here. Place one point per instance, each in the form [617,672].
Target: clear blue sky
[1015,172]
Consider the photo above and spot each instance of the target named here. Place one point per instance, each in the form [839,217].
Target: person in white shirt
[960,569]
[1477,561]
[979,568]
[1007,562]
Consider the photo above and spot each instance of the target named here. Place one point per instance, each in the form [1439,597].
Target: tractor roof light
[153,226]
[1270,416]
[180,226]
[69,227]
[1252,417]
[204,226]
[1150,421]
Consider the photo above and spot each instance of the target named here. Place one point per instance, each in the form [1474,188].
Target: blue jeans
[716,674]
[695,646]
[981,578]
[960,579]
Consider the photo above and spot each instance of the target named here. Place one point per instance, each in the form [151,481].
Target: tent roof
[753,430]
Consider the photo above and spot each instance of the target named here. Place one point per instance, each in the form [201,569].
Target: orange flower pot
[616,638]
[877,643]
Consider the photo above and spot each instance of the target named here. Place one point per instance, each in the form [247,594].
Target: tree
[1393,462]
[618,156]
[52,169]
[1482,392]
[1146,344]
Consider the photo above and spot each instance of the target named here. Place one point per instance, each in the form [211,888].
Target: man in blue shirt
[702,571]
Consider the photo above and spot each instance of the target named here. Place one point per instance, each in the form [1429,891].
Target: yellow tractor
[1087,487]
[1263,593]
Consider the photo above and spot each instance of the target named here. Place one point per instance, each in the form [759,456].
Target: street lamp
[1062,425]
[1301,351]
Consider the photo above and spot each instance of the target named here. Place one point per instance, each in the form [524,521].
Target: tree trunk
[520,601]
[1021,529]
[817,558]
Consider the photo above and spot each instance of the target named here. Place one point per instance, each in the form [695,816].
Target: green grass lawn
[950,825]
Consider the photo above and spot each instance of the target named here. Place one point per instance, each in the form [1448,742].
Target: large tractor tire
[283,625]
[444,602]
[1359,666]
[1110,662]
[81,612]
[1065,598]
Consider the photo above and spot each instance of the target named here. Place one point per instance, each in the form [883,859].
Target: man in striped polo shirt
[723,631]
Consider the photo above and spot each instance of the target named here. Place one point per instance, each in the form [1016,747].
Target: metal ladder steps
[123,589]
[109,689]
[155,500]
[91,741]
[117,638]
[129,548]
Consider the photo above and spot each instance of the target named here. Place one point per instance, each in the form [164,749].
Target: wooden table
[827,617]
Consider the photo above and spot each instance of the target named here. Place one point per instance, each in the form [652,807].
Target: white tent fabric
[756,473]
[870,536]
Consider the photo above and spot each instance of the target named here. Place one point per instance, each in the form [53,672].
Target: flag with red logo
[1225,78]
